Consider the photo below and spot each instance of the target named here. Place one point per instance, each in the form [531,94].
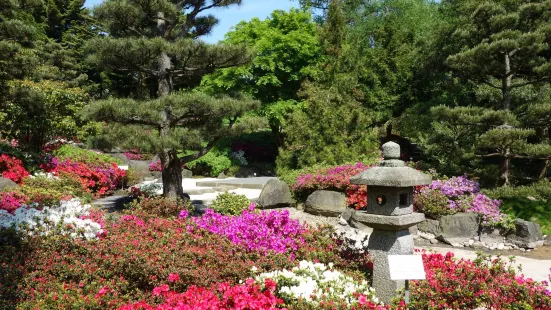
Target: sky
[233,15]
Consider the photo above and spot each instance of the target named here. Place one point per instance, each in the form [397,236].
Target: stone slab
[251,183]
[392,223]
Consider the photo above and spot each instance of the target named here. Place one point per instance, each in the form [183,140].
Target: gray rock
[430,226]
[139,165]
[7,183]
[121,157]
[500,246]
[221,175]
[433,241]
[427,236]
[348,214]
[326,203]
[471,242]
[458,228]
[276,194]
[477,245]
[343,222]
[526,234]
[186,173]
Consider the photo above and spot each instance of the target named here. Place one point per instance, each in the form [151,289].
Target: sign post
[406,267]
[125,168]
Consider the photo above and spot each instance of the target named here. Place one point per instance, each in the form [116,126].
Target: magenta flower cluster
[263,231]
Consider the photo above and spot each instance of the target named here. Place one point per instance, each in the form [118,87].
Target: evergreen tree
[158,41]
[503,45]
[286,51]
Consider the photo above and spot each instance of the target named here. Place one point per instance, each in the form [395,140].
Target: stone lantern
[390,213]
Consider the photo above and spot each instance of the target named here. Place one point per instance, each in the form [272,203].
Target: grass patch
[531,210]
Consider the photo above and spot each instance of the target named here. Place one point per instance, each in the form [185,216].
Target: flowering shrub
[482,283]
[247,296]
[133,156]
[46,220]
[11,201]
[334,178]
[12,168]
[263,231]
[458,194]
[314,282]
[161,206]
[230,203]
[99,179]
[155,166]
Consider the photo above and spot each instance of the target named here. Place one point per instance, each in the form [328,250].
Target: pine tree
[158,42]
[501,47]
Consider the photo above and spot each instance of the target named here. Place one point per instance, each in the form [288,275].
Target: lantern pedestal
[390,213]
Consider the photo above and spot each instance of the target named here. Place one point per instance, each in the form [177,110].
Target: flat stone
[430,226]
[433,241]
[392,223]
[326,203]
[7,183]
[500,246]
[461,225]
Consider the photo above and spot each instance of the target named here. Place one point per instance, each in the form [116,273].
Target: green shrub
[230,203]
[160,206]
[83,155]
[433,203]
[49,191]
[212,164]
[529,202]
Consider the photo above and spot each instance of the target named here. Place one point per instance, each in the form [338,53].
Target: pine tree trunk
[506,84]
[172,174]
[164,78]
[505,171]
[543,171]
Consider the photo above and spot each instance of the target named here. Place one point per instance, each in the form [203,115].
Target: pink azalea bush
[155,166]
[221,296]
[257,231]
[11,201]
[458,194]
[100,178]
[334,178]
[12,168]
[132,155]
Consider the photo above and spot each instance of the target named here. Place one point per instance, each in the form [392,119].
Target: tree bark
[164,77]
[505,168]
[543,171]
[172,174]
[506,83]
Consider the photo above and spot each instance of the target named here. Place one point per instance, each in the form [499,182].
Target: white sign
[406,267]
[123,167]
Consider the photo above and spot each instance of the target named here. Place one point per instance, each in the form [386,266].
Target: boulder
[349,215]
[120,156]
[460,225]
[6,183]
[186,173]
[326,203]
[139,165]
[221,175]
[275,194]
[430,226]
[526,234]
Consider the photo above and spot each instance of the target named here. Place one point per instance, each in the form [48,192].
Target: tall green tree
[503,45]
[332,127]
[158,41]
[286,50]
